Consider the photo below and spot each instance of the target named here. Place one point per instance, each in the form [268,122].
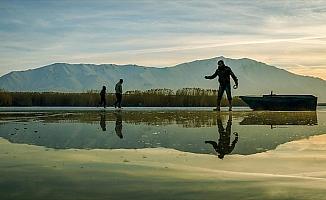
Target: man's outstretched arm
[212,76]
[234,78]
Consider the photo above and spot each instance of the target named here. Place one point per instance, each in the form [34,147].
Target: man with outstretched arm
[224,72]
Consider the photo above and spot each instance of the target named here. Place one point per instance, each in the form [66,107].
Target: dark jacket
[102,94]
[118,88]
[224,73]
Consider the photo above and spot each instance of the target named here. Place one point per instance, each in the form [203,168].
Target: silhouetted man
[223,146]
[103,97]
[118,93]
[118,125]
[224,72]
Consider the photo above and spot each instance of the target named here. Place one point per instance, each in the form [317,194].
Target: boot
[217,108]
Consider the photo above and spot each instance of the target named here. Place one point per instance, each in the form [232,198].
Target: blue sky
[288,34]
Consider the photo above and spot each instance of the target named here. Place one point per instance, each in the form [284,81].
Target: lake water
[180,129]
[196,132]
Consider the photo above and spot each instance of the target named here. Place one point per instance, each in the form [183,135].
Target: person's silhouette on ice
[224,72]
[103,97]
[118,93]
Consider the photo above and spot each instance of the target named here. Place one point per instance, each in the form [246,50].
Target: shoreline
[69,108]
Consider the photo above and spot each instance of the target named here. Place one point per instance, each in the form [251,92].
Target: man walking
[118,93]
[224,72]
[103,97]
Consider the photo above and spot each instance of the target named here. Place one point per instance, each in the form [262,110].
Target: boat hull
[282,102]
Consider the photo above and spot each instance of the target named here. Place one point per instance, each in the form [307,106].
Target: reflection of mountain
[143,130]
[280,118]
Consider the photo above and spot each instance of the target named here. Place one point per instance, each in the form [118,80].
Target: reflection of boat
[280,118]
[281,102]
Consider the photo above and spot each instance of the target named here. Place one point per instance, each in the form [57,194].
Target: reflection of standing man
[223,146]
[103,122]
[118,124]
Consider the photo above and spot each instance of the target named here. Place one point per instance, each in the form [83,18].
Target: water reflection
[180,130]
[280,118]
[103,121]
[118,124]
[223,146]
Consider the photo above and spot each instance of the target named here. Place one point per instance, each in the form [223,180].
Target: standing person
[118,93]
[224,72]
[103,97]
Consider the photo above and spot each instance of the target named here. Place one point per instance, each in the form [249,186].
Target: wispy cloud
[161,33]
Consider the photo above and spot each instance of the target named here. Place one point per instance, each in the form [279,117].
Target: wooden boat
[281,102]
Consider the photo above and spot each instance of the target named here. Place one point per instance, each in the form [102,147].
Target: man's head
[220,63]
[121,80]
[103,88]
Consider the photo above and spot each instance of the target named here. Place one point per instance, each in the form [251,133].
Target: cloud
[160,32]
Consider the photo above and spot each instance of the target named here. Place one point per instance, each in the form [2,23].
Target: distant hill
[255,78]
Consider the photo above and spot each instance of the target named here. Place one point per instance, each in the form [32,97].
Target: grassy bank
[186,97]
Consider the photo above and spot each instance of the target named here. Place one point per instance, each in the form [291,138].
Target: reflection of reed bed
[71,118]
[163,122]
[280,118]
[197,123]
[187,119]
[7,115]
[20,117]
[184,123]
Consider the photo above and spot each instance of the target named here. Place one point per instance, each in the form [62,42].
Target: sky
[287,34]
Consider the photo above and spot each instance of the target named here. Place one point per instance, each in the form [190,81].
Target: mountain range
[255,78]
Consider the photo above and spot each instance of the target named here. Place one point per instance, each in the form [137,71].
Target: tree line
[185,97]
